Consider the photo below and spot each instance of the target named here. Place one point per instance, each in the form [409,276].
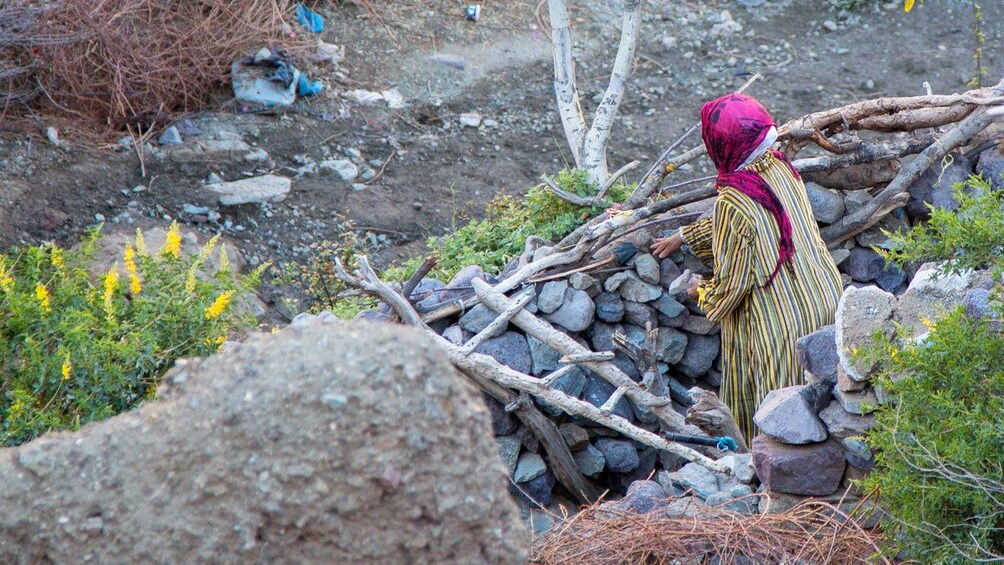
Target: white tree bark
[589,148]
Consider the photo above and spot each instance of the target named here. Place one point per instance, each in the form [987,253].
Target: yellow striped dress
[760,324]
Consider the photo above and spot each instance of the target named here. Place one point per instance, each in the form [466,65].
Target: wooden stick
[588,357]
[499,322]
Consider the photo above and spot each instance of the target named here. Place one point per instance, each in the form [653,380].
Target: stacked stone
[860,264]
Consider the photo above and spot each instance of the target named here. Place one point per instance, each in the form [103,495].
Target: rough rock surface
[813,469]
[827,205]
[308,446]
[935,186]
[255,190]
[817,353]
[785,415]
[860,313]
[576,311]
[843,424]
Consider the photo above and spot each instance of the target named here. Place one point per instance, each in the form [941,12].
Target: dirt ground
[434,172]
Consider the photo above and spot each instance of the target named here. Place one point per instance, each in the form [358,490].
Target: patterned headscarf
[733,127]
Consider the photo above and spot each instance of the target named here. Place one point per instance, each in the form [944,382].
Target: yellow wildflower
[927,322]
[6,280]
[42,294]
[57,258]
[135,285]
[16,409]
[172,247]
[67,367]
[218,341]
[219,305]
[908,5]
[111,285]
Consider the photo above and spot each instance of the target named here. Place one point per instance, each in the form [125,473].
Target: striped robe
[761,324]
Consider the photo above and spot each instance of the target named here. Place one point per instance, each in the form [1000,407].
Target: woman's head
[733,126]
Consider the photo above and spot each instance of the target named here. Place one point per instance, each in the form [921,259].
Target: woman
[774,280]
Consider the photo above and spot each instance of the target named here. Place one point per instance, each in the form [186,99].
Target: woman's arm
[698,237]
[734,251]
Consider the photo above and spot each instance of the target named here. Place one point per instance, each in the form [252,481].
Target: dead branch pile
[812,532]
[128,62]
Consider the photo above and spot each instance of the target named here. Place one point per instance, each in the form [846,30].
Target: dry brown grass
[812,532]
[128,62]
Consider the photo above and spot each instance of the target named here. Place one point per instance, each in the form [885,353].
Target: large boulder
[861,313]
[786,416]
[326,442]
[814,469]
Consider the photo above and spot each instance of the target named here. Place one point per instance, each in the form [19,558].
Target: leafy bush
[939,443]
[489,243]
[74,349]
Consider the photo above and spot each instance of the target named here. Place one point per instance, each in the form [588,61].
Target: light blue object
[305,87]
[726,443]
[309,19]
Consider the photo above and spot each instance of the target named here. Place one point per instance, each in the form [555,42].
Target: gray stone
[576,437]
[540,521]
[713,378]
[590,461]
[647,268]
[255,190]
[171,136]
[846,383]
[573,384]
[693,477]
[614,282]
[702,350]
[602,338]
[785,416]
[875,236]
[509,349]
[246,457]
[839,256]
[637,290]
[369,316]
[598,391]
[857,454]
[480,317]
[620,455]
[861,403]
[817,353]
[668,272]
[701,326]
[581,281]
[677,289]
[861,313]
[669,307]
[508,447]
[427,294]
[991,167]
[552,294]
[891,279]
[671,345]
[576,312]
[742,466]
[980,304]
[529,467]
[929,296]
[503,423]
[855,200]
[935,187]
[455,335]
[459,287]
[817,394]
[827,205]
[639,315]
[863,265]
[644,497]
[345,169]
[543,358]
[843,424]
[726,501]
[609,307]
[535,492]
[813,469]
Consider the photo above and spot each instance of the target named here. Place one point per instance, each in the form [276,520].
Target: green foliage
[490,243]
[972,238]
[74,349]
[940,445]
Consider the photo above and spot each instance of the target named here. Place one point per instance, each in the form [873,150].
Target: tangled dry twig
[812,532]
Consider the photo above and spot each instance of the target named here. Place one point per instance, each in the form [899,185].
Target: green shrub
[939,442]
[489,243]
[74,349]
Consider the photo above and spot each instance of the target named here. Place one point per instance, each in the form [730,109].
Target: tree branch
[565,90]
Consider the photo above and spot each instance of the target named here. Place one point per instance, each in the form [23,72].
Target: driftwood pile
[624,319]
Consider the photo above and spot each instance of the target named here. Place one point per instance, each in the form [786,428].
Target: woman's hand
[666,246]
[695,281]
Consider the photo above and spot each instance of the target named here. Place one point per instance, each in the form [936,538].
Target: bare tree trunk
[589,148]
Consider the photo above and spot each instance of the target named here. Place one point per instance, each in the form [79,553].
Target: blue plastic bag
[306,87]
[310,20]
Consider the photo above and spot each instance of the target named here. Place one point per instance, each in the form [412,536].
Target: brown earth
[439,173]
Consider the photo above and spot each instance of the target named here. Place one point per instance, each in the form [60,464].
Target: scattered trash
[454,61]
[306,87]
[329,53]
[473,12]
[392,97]
[171,136]
[53,136]
[470,119]
[252,83]
[309,19]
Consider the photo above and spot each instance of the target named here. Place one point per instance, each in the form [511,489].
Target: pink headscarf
[733,127]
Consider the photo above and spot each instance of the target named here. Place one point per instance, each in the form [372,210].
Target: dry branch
[713,417]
